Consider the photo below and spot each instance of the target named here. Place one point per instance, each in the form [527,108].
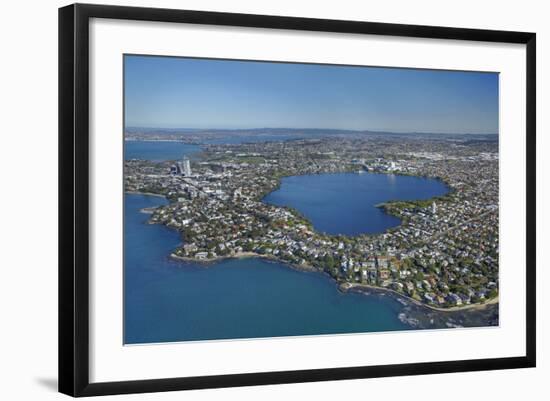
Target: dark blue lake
[345,203]
[166,300]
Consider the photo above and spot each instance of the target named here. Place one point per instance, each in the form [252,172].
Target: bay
[158,150]
[167,300]
[173,150]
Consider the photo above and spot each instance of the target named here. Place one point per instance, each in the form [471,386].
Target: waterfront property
[166,300]
[387,183]
[443,254]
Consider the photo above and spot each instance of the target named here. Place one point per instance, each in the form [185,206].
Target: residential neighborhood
[444,254]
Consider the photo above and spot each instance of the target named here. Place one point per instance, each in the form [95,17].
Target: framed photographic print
[249,199]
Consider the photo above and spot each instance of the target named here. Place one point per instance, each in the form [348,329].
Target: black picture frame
[74,192]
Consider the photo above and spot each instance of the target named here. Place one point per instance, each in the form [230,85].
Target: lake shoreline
[382,206]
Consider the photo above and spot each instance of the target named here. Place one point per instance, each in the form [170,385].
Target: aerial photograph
[268,199]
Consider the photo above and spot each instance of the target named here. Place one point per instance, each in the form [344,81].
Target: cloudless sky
[173,92]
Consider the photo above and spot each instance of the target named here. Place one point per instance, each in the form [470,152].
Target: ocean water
[255,139]
[167,300]
[158,150]
[170,150]
[346,203]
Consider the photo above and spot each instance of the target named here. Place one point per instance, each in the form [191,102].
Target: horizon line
[376,131]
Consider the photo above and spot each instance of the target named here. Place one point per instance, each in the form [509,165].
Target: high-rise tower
[186,166]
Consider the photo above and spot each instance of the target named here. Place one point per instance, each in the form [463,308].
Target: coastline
[359,287]
[343,287]
[144,193]
[243,255]
[154,140]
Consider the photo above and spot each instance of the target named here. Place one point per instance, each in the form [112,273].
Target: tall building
[179,168]
[186,166]
[182,167]
[434,208]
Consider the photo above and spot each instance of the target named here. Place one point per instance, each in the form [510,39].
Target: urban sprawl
[444,254]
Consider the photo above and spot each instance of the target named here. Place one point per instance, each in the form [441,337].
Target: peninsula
[444,254]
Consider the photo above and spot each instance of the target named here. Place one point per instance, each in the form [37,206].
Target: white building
[186,166]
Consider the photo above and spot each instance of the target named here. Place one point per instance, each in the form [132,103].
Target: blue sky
[170,92]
